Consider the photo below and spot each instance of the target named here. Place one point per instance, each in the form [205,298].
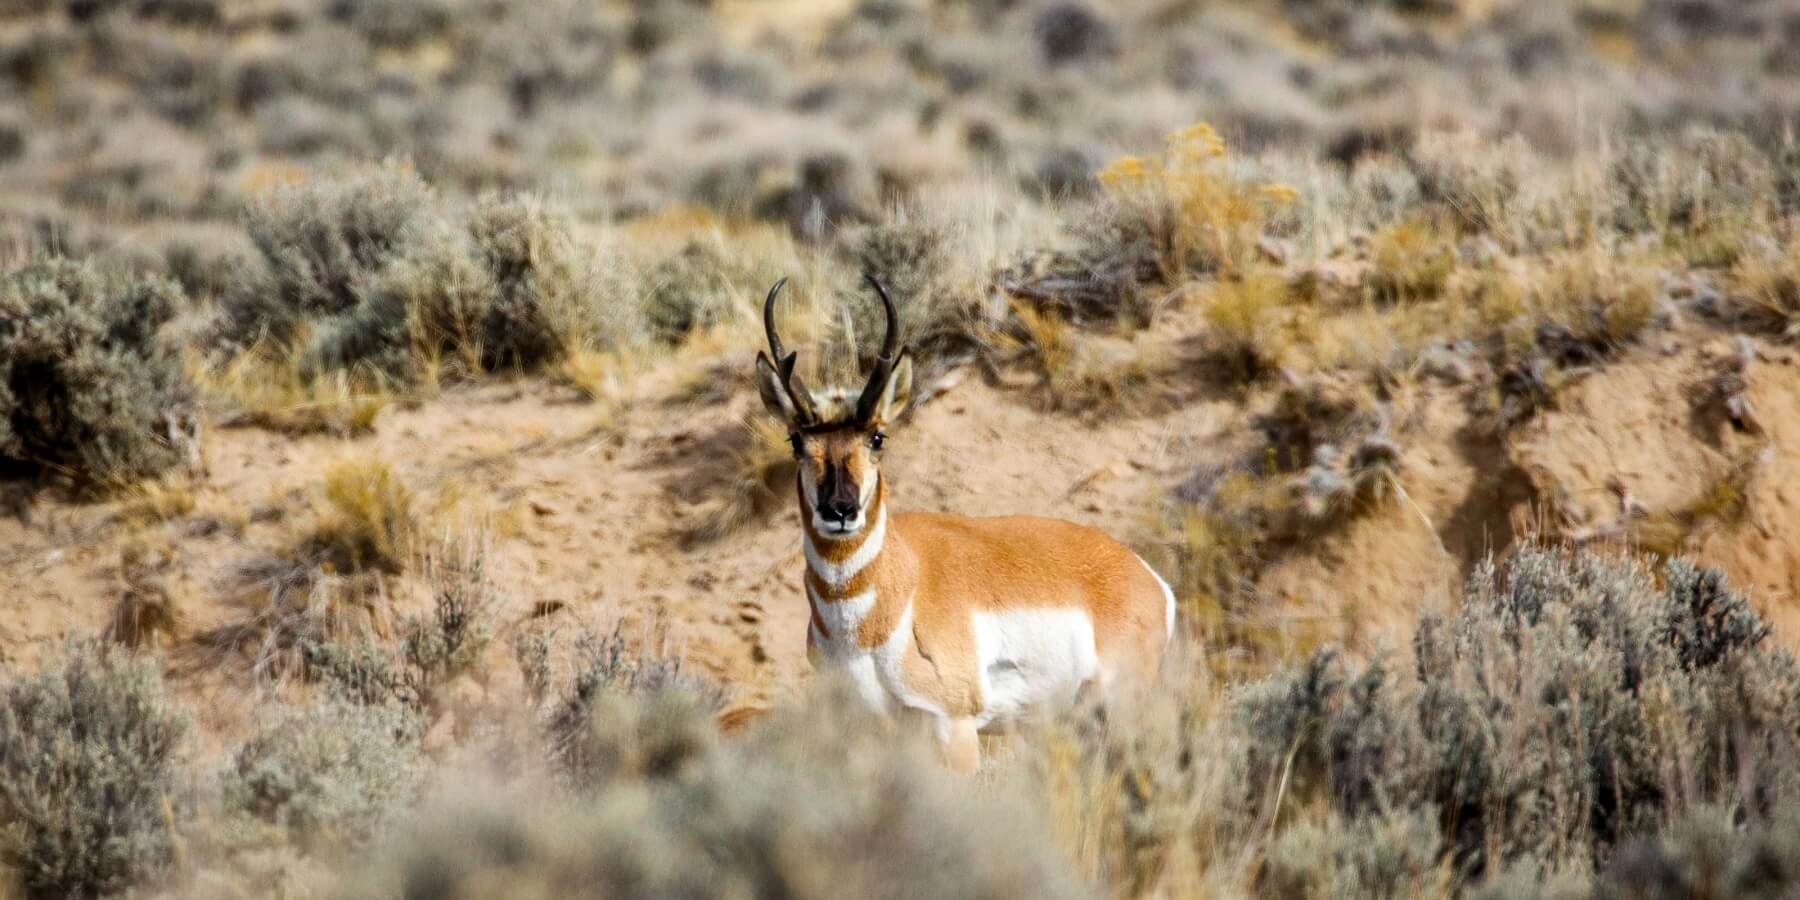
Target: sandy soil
[586,505]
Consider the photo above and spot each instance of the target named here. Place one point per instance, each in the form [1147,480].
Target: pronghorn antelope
[969,621]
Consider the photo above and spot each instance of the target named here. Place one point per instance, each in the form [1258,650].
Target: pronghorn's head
[837,445]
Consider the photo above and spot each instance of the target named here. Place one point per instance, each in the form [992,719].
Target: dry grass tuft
[293,605]
[329,587]
[1082,373]
[595,375]
[1766,289]
[159,500]
[1255,325]
[1574,311]
[747,487]
[1590,303]
[1410,261]
[261,388]
[148,610]
[365,519]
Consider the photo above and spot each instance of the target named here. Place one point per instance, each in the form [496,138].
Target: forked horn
[884,362]
[784,363]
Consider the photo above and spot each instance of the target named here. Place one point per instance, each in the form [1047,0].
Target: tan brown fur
[943,570]
[986,564]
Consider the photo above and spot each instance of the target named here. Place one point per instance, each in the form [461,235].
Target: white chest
[876,671]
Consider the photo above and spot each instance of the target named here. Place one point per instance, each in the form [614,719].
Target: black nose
[838,510]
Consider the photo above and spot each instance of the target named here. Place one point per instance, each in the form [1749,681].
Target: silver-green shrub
[87,389]
[1572,704]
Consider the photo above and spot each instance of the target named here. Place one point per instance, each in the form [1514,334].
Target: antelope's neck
[851,581]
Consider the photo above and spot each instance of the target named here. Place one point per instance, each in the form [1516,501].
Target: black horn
[775,347]
[784,361]
[884,362]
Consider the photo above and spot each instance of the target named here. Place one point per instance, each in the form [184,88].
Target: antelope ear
[897,393]
[774,396]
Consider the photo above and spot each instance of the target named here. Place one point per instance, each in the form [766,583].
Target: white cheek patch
[1031,658]
[868,490]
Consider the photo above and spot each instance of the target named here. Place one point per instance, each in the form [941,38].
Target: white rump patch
[839,574]
[1168,603]
[1031,658]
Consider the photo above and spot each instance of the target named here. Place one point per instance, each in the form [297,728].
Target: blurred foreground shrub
[331,772]
[816,803]
[87,770]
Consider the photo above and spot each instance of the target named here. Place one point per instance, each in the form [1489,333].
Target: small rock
[1450,363]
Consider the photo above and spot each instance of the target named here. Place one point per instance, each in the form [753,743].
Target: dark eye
[876,440]
[798,443]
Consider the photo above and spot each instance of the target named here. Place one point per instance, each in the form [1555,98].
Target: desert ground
[387,507]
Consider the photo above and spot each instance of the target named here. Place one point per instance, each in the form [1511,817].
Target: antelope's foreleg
[961,740]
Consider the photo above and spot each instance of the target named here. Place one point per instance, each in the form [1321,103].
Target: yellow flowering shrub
[1200,216]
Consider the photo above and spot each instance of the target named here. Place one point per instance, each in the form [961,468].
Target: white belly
[1032,658]
[1026,659]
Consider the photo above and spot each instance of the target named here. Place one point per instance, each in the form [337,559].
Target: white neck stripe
[839,574]
[841,618]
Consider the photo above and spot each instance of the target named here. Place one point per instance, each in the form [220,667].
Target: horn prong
[775,348]
[884,361]
[891,340]
[784,361]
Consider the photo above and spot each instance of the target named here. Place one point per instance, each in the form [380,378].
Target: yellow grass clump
[1409,261]
[1598,296]
[1766,288]
[147,610]
[365,518]
[745,486]
[157,500]
[1254,323]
